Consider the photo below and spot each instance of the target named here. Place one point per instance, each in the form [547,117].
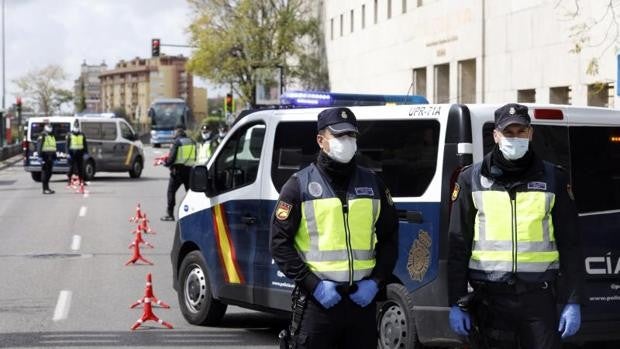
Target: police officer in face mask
[340,261]
[513,231]
[204,145]
[46,147]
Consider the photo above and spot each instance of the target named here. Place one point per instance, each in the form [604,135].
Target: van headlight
[153,133]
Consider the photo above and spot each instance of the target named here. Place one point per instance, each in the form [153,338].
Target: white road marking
[83,210]
[75,243]
[62,306]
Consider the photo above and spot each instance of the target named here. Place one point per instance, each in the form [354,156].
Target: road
[63,279]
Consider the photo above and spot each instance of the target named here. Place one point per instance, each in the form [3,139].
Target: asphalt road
[63,282]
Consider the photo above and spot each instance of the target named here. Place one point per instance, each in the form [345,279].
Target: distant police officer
[334,232]
[77,148]
[513,230]
[180,161]
[205,146]
[46,147]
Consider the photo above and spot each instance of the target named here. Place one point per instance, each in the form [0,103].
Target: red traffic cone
[147,314]
[139,215]
[139,240]
[144,226]
[137,256]
[148,294]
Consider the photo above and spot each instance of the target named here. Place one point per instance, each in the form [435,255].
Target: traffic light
[228,103]
[155,45]
[18,106]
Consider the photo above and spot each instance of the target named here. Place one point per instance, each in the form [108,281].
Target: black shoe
[167,218]
[48,191]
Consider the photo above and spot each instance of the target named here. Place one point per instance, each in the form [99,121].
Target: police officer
[77,147]
[180,161]
[334,232]
[513,230]
[46,147]
[205,147]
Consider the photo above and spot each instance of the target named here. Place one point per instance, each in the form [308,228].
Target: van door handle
[410,216]
[248,220]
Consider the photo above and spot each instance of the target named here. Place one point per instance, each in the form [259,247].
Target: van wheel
[195,297]
[89,170]
[395,320]
[36,176]
[136,168]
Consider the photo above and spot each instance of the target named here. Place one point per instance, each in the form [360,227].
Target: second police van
[221,252]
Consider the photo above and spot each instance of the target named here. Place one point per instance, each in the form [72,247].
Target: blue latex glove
[460,321]
[366,291]
[325,292]
[570,320]
[68,156]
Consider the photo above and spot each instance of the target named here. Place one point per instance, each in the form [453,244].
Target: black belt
[510,287]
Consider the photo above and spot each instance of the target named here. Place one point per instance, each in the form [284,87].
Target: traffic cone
[137,256]
[139,215]
[144,226]
[139,240]
[148,294]
[147,314]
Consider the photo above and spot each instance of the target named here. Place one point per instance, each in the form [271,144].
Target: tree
[80,100]
[234,38]
[41,87]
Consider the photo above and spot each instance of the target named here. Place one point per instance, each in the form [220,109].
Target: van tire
[195,296]
[136,168]
[395,320]
[36,176]
[89,170]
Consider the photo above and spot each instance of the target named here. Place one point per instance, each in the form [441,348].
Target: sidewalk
[10,161]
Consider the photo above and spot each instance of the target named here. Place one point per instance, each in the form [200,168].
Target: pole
[3,84]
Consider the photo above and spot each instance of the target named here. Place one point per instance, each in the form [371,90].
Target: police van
[113,146]
[221,255]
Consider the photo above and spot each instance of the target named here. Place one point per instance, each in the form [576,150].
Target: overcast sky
[67,32]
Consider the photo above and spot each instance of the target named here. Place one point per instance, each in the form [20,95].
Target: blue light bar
[327,99]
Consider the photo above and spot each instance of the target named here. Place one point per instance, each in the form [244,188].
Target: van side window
[126,131]
[237,164]
[595,158]
[402,152]
[92,130]
[108,131]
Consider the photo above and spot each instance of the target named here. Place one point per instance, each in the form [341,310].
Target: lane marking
[83,210]
[62,306]
[75,243]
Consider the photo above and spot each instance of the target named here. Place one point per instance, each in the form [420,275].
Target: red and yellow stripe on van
[225,248]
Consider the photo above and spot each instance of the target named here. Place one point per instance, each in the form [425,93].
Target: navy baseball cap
[337,120]
[511,113]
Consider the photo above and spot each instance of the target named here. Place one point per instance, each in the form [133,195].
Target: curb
[10,161]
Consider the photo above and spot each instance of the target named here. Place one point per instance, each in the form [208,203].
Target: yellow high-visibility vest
[77,142]
[186,153]
[49,144]
[204,152]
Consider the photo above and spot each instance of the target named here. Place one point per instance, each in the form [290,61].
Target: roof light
[548,114]
[614,139]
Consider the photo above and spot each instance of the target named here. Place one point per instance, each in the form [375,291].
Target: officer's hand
[460,321]
[366,291]
[570,320]
[68,156]
[325,292]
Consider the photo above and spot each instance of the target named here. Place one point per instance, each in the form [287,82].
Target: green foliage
[235,37]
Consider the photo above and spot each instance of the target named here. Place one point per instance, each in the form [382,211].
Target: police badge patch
[420,256]
[455,191]
[315,189]
[283,210]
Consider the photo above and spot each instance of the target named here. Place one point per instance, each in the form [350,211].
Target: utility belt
[299,301]
[511,286]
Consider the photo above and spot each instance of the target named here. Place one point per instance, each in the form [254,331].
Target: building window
[389,9]
[559,95]
[363,16]
[467,81]
[404,7]
[442,83]
[419,81]
[331,30]
[376,10]
[352,21]
[341,25]
[526,96]
[601,95]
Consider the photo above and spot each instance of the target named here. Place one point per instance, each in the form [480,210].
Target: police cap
[337,120]
[511,113]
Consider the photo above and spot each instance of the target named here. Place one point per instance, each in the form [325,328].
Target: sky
[68,32]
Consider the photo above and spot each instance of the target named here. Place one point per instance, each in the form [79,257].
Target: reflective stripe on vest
[49,144]
[514,235]
[186,153]
[77,142]
[336,245]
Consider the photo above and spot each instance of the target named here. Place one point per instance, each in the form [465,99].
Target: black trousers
[344,326]
[46,171]
[76,164]
[178,175]
[526,320]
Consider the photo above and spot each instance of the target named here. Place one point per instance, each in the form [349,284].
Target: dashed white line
[75,243]
[83,210]
[62,306]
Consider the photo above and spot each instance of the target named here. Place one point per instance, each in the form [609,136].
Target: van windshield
[59,130]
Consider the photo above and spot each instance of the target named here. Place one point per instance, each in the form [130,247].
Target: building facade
[133,85]
[463,51]
[87,88]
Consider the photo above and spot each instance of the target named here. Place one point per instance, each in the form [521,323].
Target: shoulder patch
[455,192]
[283,210]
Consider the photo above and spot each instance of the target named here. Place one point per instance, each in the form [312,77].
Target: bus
[165,115]
[333,99]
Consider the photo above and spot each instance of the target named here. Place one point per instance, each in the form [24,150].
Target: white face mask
[206,135]
[342,149]
[513,148]
[48,129]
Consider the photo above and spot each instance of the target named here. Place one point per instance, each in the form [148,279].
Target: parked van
[112,145]
[221,255]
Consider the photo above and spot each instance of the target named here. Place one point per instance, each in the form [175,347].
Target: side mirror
[199,179]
